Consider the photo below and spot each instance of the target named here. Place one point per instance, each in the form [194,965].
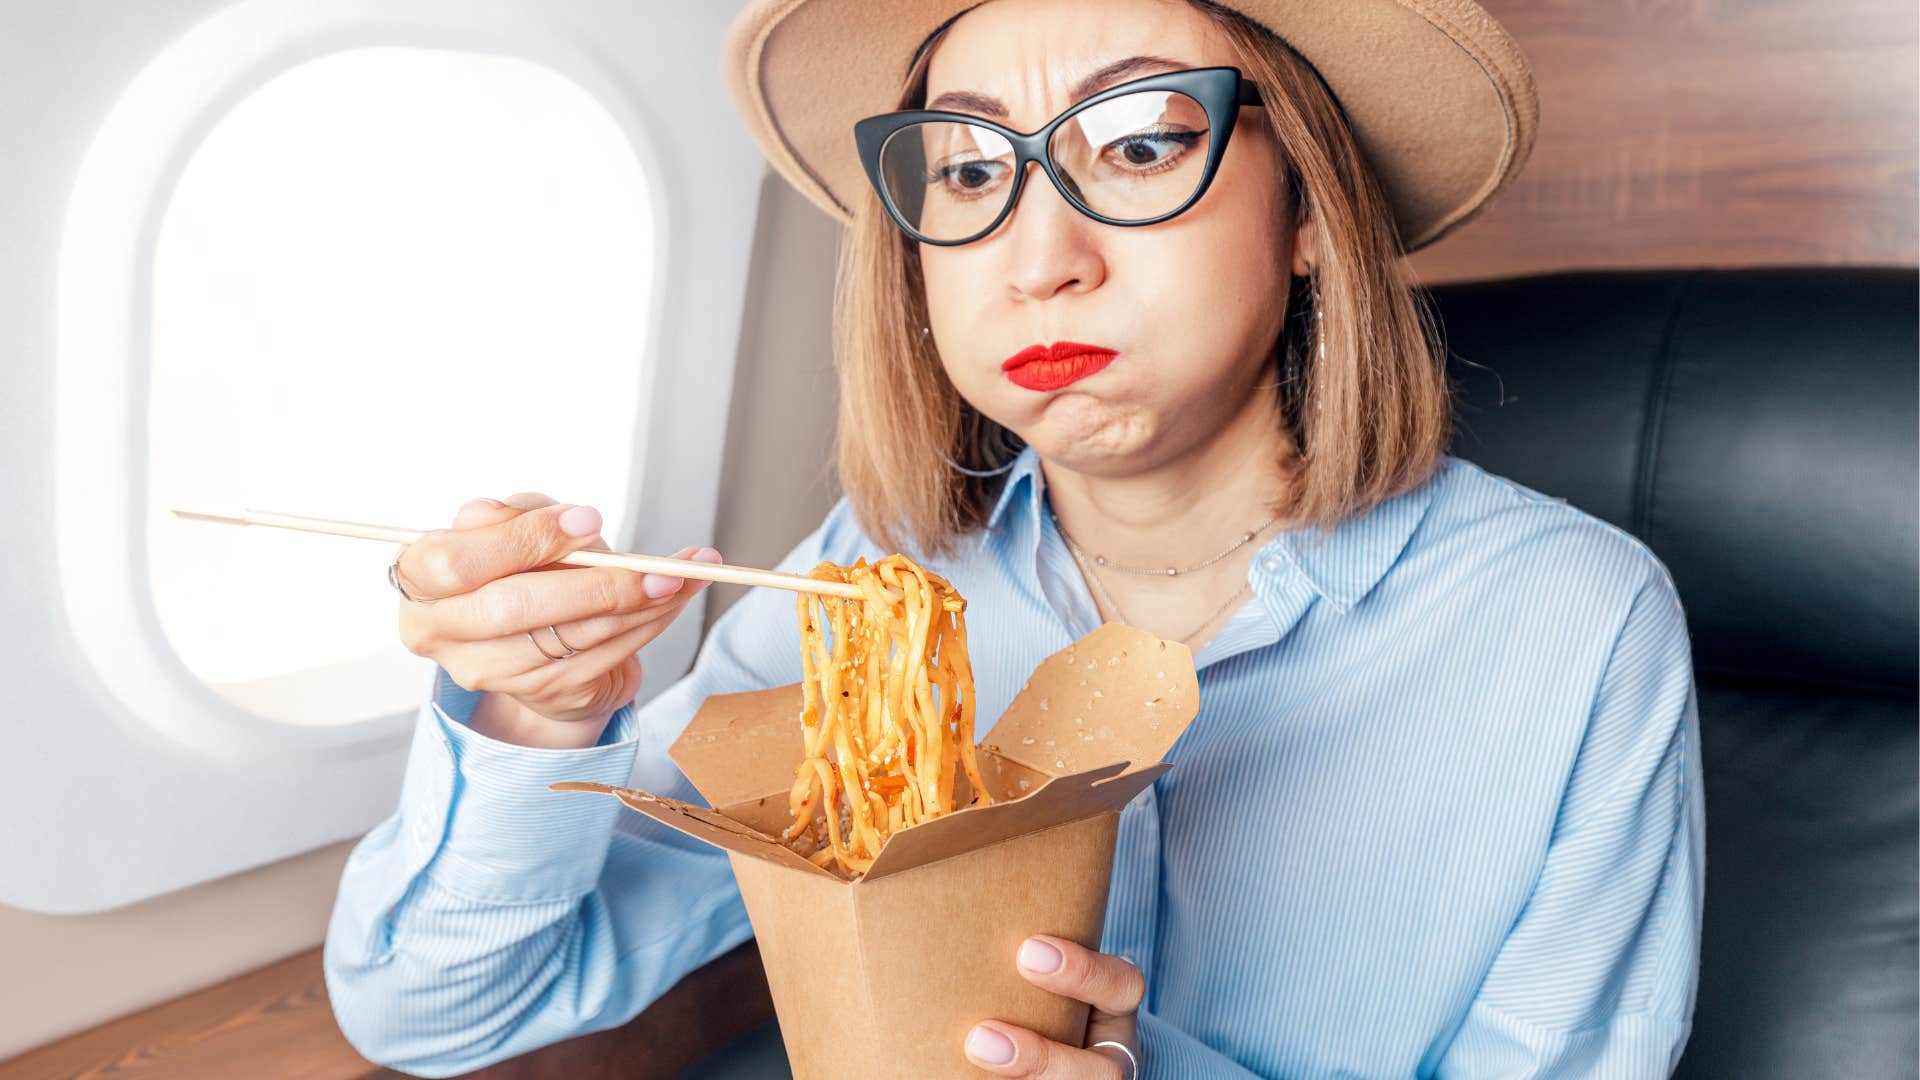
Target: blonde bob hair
[1368,424]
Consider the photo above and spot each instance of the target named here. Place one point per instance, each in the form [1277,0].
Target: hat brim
[1440,98]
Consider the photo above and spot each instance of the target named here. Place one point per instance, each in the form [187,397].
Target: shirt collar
[1025,473]
[1351,559]
[1344,567]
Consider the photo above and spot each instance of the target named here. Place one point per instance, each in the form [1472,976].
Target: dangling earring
[925,330]
[1320,352]
[959,468]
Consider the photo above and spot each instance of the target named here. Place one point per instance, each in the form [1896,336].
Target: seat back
[1757,429]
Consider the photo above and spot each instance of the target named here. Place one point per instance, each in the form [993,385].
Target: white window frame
[177,785]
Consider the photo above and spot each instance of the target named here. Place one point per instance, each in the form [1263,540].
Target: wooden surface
[275,1022]
[1707,132]
[270,1022]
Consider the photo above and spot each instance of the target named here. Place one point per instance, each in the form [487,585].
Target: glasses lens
[1136,156]
[948,180]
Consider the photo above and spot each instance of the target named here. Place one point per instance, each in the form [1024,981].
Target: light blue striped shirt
[1440,814]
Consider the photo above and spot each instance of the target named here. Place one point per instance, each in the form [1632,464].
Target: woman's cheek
[988,392]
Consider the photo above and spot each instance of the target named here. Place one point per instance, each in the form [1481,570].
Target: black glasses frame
[1219,90]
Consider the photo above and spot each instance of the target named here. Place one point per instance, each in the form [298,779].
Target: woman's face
[1192,305]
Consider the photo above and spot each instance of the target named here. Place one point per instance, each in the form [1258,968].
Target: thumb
[533,500]
[462,559]
[549,533]
[478,513]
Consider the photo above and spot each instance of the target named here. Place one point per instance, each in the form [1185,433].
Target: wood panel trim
[276,1021]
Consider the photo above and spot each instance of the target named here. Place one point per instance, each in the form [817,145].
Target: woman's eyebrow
[1118,71]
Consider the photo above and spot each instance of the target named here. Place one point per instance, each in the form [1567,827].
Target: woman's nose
[1054,245]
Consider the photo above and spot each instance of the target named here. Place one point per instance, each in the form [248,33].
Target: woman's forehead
[1036,57]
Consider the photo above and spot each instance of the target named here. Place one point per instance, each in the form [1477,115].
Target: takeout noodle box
[884,975]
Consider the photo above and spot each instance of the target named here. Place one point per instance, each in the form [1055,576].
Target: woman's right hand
[495,579]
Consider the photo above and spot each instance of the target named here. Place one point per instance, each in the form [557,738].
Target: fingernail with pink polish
[580,521]
[659,585]
[1037,955]
[989,1046]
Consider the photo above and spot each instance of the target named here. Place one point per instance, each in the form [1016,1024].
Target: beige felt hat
[1438,94]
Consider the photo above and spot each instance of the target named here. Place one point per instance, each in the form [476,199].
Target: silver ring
[393,578]
[556,636]
[1133,1063]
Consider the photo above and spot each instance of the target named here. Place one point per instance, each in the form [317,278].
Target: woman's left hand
[1111,985]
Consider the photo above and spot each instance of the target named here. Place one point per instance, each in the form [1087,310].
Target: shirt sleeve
[1170,1053]
[489,916]
[1598,975]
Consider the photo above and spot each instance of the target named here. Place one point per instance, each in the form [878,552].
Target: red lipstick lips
[1042,367]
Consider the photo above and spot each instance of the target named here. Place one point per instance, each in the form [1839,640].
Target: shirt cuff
[458,703]
[1167,1051]
[507,838]
[1492,1043]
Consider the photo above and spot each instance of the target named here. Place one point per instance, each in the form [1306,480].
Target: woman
[1440,813]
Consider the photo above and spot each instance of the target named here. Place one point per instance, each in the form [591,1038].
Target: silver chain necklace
[1168,571]
[1081,555]
[1122,616]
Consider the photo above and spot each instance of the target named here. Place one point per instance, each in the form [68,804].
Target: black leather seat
[1757,429]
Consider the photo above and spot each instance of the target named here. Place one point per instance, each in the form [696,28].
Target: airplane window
[389,280]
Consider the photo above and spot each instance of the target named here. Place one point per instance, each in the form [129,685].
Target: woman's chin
[1108,449]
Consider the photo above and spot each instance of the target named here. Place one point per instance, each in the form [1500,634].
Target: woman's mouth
[1042,367]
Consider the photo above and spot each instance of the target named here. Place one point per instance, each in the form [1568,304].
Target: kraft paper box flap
[702,824]
[1057,801]
[743,746]
[1060,800]
[1083,736]
[1117,694]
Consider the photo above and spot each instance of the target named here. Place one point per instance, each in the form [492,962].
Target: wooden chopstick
[650,564]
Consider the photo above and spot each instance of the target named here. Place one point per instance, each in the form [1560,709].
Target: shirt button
[1270,564]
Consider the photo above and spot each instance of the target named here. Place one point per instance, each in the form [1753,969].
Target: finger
[483,511]
[1009,1050]
[521,502]
[508,651]
[1106,1027]
[475,513]
[526,601]
[1108,983]
[533,500]
[541,679]
[453,562]
[503,660]
[668,584]
[472,514]
[571,693]
[419,625]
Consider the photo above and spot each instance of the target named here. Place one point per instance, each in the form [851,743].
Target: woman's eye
[967,177]
[1146,149]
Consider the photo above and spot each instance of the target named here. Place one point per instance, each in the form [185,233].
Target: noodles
[887,714]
